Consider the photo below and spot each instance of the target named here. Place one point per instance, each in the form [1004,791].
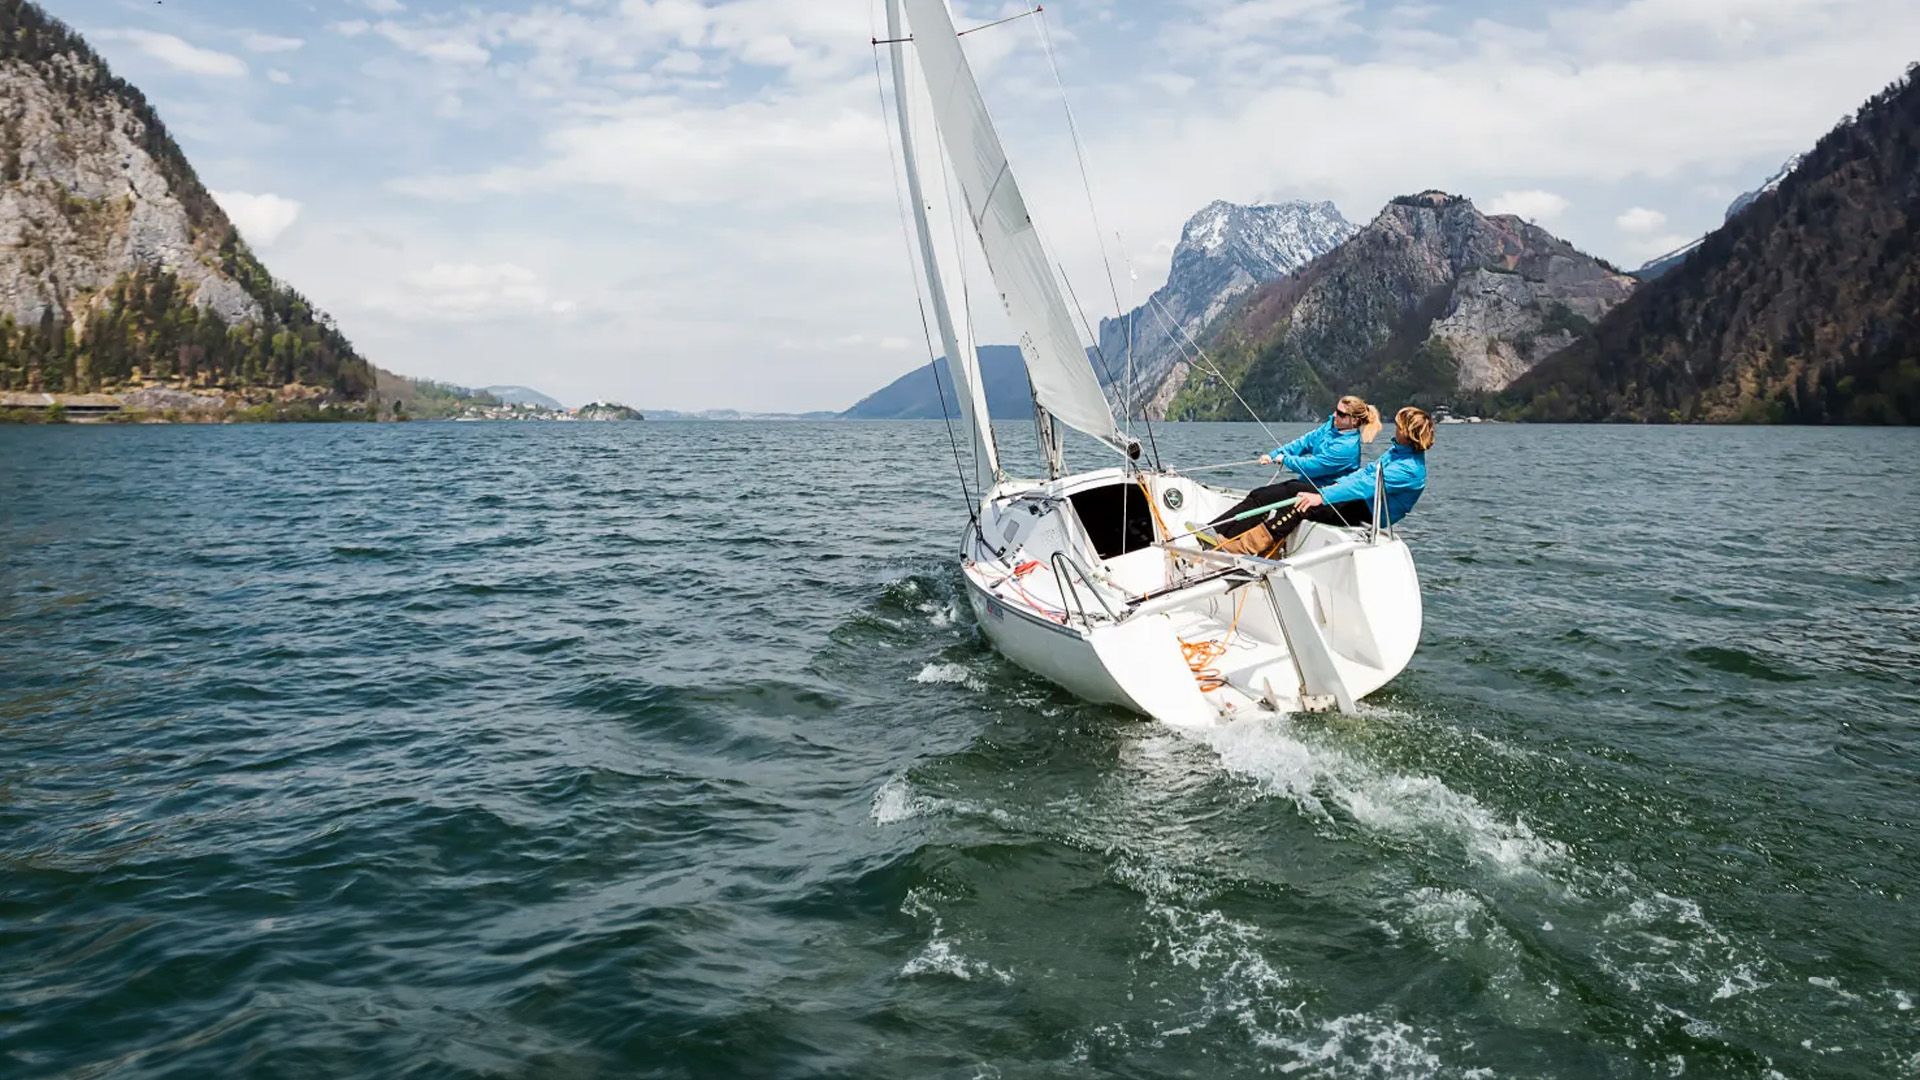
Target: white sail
[963,364]
[1063,380]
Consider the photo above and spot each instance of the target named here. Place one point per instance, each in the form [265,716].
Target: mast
[962,364]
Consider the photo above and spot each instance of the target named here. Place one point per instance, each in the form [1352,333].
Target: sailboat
[1088,578]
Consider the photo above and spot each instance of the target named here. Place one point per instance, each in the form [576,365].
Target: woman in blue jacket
[1318,458]
[1349,500]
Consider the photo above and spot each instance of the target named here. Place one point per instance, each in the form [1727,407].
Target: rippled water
[671,750]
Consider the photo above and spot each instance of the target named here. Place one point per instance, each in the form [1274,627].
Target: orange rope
[1152,506]
[1200,655]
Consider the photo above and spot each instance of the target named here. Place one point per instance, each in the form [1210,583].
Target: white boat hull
[1334,620]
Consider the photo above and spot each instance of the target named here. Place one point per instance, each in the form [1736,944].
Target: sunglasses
[1350,416]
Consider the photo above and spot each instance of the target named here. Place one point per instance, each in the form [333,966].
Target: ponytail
[1354,406]
[1416,426]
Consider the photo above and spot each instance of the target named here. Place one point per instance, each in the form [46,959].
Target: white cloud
[179,54]
[1241,23]
[270,43]
[1647,249]
[454,47]
[275,75]
[775,151]
[471,292]
[384,7]
[1640,221]
[688,155]
[260,218]
[1539,207]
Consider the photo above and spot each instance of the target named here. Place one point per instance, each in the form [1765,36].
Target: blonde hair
[1352,405]
[1416,425]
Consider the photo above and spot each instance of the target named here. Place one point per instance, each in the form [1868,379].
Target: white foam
[939,614]
[939,956]
[1827,983]
[1359,1044]
[1739,981]
[956,674]
[896,802]
[1904,1003]
[1409,807]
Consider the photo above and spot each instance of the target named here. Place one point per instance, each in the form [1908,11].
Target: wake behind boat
[1088,578]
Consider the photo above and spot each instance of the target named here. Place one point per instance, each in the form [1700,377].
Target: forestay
[1063,380]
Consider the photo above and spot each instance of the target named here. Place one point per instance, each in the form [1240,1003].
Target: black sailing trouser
[1283,522]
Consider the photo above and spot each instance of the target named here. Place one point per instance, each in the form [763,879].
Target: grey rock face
[1498,325]
[89,205]
[1499,293]
[1224,250]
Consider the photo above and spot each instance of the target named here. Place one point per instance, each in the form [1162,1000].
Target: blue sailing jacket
[1406,470]
[1324,454]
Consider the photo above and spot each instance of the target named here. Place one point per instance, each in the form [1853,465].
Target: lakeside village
[166,405]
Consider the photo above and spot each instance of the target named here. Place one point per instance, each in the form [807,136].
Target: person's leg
[1353,513]
[1260,496]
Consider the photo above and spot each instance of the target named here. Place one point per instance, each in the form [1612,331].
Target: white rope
[1222,465]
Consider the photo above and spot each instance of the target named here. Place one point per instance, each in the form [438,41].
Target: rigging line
[1080,156]
[1205,364]
[913,273]
[998,22]
[1132,389]
[1105,364]
[1192,355]
[1093,212]
[1213,369]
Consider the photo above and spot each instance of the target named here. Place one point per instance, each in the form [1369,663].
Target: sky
[683,205]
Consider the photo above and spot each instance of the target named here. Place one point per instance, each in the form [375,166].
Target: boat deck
[1259,675]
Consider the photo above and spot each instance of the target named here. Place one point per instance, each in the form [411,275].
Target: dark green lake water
[671,750]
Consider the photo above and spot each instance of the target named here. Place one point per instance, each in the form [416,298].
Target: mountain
[1654,268]
[116,265]
[1224,250]
[607,410]
[914,396]
[424,399]
[1430,300]
[736,414]
[1771,183]
[521,395]
[1803,307]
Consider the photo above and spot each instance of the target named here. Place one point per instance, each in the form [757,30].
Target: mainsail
[1063,380]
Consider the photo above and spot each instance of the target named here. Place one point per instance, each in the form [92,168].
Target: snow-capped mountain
[1771,183]
[1224,250]
[1656,267]
[1432,299]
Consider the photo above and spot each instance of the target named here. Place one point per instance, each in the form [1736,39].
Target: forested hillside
[116,264]
[1804,307]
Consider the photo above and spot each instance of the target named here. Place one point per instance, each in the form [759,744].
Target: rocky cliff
[1803,307]
[1224,250]
[1430,300]
[116,265]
